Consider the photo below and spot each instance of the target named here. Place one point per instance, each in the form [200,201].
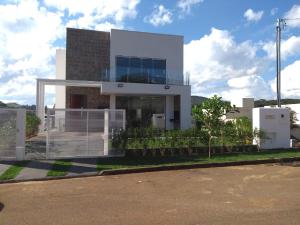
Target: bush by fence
[32,124]
[152,141]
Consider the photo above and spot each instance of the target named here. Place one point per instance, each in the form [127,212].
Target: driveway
[262,194]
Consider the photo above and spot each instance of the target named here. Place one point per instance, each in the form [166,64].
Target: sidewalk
[37,169]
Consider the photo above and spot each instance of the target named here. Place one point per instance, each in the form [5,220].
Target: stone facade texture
[87,55]
[93,97]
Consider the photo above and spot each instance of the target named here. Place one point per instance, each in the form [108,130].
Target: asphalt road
[262,194]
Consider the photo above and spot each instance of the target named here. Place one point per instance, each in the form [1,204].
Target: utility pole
[278,61]
[279,26]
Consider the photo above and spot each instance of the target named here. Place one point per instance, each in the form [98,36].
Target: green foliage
[32,124]
[13,170]
[259,136]
[243,127]
[209,113]
[59,168]
[293,119]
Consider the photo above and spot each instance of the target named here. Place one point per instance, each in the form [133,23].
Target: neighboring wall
[275,122]
[87,56]
[243,109]
[149,45]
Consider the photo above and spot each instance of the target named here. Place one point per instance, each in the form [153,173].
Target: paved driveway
[262,194]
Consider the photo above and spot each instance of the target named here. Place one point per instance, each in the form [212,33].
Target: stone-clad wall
[87,54]
[93,97]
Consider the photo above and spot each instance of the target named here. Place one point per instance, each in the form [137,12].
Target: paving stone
[35,169]
[80,166]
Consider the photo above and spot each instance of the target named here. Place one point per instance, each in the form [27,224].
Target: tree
[210,113]
[293,119]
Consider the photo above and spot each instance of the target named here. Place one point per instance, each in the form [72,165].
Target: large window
[140,109]
[140,70]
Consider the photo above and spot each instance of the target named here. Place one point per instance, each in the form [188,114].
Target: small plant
[32,124]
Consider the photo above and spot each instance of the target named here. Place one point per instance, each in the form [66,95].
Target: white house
[136,71]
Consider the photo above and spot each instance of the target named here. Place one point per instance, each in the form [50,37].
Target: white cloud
[293,13]
[289,47]
[216,60]
[117,10]
[290,80]
[186,5]
[31,31]
[273,11]
[252,86]
[160,16]
[27,35]
[94,14]
[252,16]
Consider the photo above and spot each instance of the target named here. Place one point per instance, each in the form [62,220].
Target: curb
[156,169]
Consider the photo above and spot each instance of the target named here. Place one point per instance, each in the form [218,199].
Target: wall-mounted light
[167,87]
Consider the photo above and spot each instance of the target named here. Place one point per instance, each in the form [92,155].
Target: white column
[20,135]
[112,101]
[112,105]
[185,109]
[124,119]
[40,107]
[169,113]
[106,131]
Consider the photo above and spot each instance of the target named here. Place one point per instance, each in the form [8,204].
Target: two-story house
[136,71]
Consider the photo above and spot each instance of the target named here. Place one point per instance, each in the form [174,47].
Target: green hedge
[32,124]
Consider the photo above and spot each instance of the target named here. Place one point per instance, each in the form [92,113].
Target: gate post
[20,134]
[106,131]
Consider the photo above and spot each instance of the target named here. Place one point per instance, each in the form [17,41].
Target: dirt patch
[198,196]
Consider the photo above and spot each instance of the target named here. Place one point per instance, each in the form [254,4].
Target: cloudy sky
[229,45]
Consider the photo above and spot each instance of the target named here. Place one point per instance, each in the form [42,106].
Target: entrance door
[78,101]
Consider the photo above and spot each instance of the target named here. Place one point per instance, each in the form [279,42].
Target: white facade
[149,45]
[275,122]
[60,91]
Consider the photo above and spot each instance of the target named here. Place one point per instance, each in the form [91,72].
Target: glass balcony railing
[169,78]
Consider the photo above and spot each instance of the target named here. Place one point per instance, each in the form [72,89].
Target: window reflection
[140,70]
[140,109]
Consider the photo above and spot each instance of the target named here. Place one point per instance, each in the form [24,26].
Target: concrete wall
[60,91]
[275,122]
[148,45]
[244,108]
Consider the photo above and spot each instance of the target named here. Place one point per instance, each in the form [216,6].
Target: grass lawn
[13,170]
[59,168]
[125,162]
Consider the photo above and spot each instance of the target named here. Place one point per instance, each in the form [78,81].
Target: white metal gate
[81,132]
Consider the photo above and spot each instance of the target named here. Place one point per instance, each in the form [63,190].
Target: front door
[78,101]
